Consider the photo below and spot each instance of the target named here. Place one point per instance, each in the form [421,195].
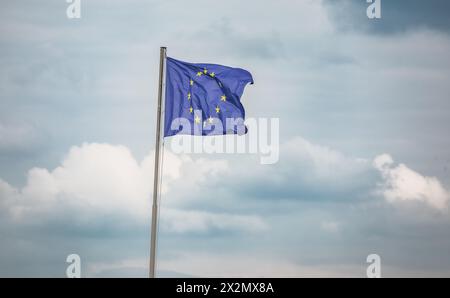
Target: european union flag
[204,99]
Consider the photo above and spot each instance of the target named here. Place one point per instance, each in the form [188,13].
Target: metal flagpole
[156,184]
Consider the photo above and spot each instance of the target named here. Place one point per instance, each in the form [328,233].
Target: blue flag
[204,99]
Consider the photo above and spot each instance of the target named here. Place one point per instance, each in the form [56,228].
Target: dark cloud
[396,15]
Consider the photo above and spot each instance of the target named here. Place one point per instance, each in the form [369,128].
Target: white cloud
[323,162]
[403,184]
[98,180]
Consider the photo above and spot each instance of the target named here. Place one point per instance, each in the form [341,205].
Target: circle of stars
[223,98]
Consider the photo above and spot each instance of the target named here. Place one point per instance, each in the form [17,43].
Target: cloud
[308,171]
[100,192]
[100,181]
[402,184]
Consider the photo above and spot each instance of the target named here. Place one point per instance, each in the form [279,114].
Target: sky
[364,151]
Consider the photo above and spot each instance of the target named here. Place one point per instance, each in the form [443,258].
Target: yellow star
[217,109]
[191,109]
[223,98]
[189,95]
[212,74]
[197,119]
[191,82]
[205,71]
[199,74]
[210,119]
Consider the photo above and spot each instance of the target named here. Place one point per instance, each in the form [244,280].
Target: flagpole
[156,184]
